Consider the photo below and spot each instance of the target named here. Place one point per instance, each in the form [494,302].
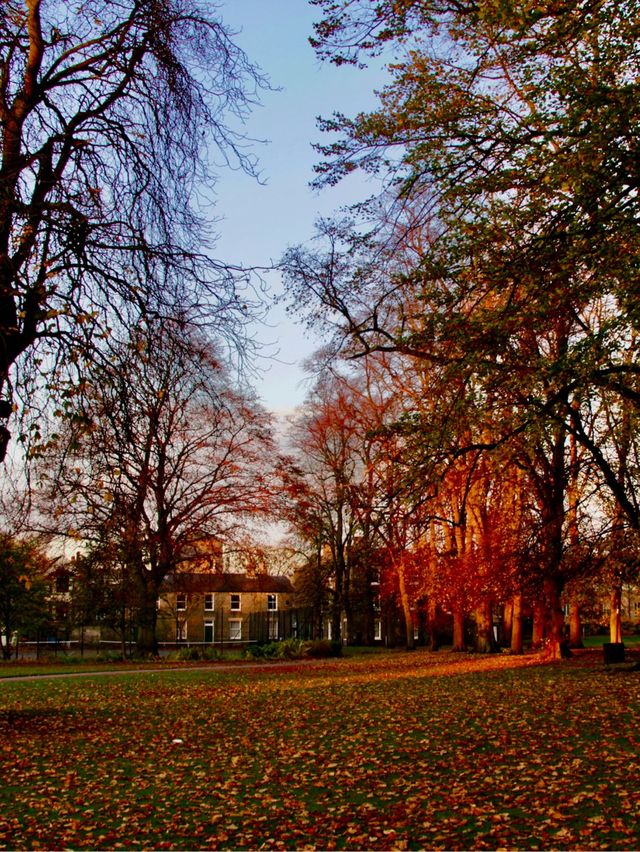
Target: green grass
[72,664]
[631,641]
[380,751]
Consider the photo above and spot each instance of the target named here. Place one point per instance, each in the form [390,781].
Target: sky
[259,220]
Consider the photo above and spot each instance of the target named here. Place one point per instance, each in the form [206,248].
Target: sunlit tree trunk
[615,615]
[507,621]
[405,602]
[575,625]
[516,624]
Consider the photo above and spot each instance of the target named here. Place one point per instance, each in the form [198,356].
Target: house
[222,608]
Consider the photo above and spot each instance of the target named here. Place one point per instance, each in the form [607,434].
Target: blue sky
[258,222]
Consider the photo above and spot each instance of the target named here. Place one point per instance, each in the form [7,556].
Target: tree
[160,455]
[104,592]
[321,483]
[496,255]
[507,132]
[110,113]
[23,604]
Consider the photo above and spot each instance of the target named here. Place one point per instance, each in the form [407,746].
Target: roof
[224,582]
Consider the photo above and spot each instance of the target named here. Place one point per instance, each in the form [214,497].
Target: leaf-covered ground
[404,751]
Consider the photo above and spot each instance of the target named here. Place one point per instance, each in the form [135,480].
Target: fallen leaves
[405,752]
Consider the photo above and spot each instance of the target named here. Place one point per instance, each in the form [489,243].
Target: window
[209,601]
[235,603]
[274,628]
[377,630]
[181,631]
[60,611]
[209,631]
[62,583]
[181,601]
[235,629]
[272,603]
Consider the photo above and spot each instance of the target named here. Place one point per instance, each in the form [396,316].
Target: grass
[380,751]
[71,664]
[631,640]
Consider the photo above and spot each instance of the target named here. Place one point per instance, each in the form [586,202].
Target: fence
[285,624]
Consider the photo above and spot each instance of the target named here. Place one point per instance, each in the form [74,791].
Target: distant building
[223,608]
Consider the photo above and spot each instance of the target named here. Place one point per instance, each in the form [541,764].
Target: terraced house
[227,608]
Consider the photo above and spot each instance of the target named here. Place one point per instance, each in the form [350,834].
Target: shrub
[71,659]
[185,655]
[288,649]
[109,657]
[292,649]
[320,648]
[210,654]
[263,651]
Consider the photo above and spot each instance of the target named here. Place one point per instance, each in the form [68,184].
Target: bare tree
[160,455]
[113,112]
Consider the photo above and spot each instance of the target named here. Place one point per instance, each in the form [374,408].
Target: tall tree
[23,605]
[161,454]
[325,439]
[111,112]
[505,137]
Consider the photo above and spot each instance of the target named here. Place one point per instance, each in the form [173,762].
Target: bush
[292,649]
[321,648]
[288,649]
[109,657]
[64,659]
[211,654]
[186,655]
[263,651]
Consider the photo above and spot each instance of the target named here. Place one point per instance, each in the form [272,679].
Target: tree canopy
[503,253]
[112,115]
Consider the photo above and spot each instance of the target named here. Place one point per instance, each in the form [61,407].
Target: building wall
[215,617]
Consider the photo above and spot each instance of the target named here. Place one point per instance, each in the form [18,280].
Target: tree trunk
[557,647]
[575,626]
[432,625]
[485,640]
[147,640]
[410,641]
[336,607]
[538,623]
[123,633]
[615,616]
[516,624]
[6,646]
[346,604]
[507,622]
[458,630]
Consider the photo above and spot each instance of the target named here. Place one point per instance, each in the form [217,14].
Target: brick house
[222,608]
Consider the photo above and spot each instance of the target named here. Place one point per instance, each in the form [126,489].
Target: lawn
[385,751]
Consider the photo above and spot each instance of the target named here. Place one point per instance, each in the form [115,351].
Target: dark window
[62,583]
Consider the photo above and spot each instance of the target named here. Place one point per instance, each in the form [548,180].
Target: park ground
[379,751]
